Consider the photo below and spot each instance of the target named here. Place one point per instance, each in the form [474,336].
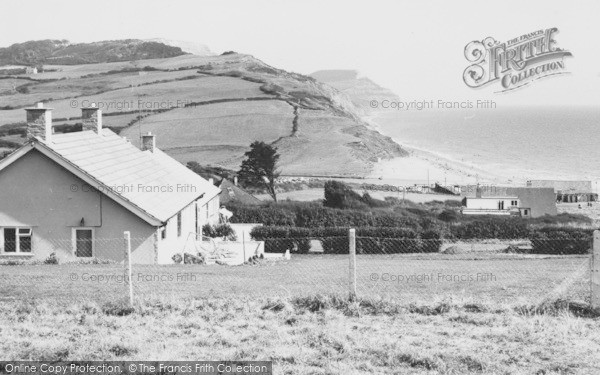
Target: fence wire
[411,270]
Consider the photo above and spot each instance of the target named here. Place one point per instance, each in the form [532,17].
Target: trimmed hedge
[370,240]
[502,229]
[311,215]
[280,239]
[561,241]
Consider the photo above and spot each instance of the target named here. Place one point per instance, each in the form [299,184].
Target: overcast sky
[414,48]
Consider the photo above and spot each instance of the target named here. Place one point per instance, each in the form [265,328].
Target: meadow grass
[311,334]
[532,319]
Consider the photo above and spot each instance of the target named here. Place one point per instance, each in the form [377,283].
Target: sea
[516,142]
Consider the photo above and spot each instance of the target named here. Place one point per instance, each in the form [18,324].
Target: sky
[415,48]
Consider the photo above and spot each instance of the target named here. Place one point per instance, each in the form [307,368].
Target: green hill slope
[209,109]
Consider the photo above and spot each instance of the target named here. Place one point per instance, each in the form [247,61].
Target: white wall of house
[38,194]
[179,237]
[490,205]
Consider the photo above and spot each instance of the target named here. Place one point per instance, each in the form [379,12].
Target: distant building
[499,200]
[493,206]
[568,191]
[230,192]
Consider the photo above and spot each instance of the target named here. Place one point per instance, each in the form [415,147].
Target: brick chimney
[148,142]
[39,122]
[91,119]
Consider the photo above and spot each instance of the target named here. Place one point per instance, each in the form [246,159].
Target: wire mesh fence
[412,270]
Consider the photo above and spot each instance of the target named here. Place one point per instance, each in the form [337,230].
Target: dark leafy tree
[259,169]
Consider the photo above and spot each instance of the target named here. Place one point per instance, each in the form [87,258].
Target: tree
[260,167]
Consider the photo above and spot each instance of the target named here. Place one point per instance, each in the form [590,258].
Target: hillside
[208,109]
[55,52]
[361,90]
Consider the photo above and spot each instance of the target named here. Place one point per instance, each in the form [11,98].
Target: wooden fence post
[127,263]
[352,267]
[595,270]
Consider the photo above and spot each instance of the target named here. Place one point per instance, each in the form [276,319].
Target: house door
[83,242]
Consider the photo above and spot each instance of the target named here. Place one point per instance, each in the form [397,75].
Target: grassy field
[157,96]
[214,124]
[296,313]
[311,334]
[505,278]
[79,87]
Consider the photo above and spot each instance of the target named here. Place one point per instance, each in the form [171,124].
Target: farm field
[76,71]
[217,124]
[77,87]
[296,314]
[149,97]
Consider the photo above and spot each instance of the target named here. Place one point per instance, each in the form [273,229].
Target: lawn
[296,314]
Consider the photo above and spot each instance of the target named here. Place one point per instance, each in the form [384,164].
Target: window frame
[18,237]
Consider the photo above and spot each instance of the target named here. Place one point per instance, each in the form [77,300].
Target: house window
[163,233]
[179,224]
[514,203]
[17,240]
[526,212]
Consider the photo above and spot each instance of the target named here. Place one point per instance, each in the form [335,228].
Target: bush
[340,195]
[561,241]
[224,231]
[193,259]
[448,215]
[51,259]
[177,258]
